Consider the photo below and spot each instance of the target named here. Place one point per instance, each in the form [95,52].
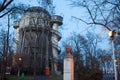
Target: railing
[56,46]
[16,41]
[57,33]
[16,24]
[57,19]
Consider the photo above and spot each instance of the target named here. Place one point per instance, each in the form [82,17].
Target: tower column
[56,21]
[16,40]
[47,69]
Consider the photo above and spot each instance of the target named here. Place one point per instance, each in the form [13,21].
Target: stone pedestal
[68,66]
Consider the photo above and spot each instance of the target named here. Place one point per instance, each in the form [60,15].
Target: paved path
[108,77]
[42,78]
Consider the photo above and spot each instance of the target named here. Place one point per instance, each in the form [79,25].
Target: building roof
[37,9]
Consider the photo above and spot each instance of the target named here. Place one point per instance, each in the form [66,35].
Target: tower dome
[35,17]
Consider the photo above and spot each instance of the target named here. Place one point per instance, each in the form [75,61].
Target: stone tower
[37,35]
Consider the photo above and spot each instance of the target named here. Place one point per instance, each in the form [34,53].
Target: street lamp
[19,62]
[115,60]
[112,35]
[20,59]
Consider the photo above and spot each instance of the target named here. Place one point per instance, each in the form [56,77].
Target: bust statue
[68,65]
[69,50]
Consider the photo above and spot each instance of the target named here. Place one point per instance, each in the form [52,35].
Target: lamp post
[19,62]
[112,35]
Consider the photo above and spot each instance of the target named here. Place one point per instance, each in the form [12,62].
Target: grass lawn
[56,78]
[11,77]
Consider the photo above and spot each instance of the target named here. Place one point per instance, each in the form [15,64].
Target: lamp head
[19,58]
[112,33]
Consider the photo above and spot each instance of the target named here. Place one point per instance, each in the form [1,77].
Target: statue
[69,50]
[68,65]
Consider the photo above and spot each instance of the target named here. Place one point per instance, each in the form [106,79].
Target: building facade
[37,35]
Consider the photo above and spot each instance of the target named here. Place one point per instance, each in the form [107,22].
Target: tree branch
[90,14]
[4,6]
[12,9]
[100,11]
[112,3]
[97,23]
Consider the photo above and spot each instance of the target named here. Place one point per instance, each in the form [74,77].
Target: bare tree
[85,51]
[4,7]
[105,61]
[4,51]
[104,13]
